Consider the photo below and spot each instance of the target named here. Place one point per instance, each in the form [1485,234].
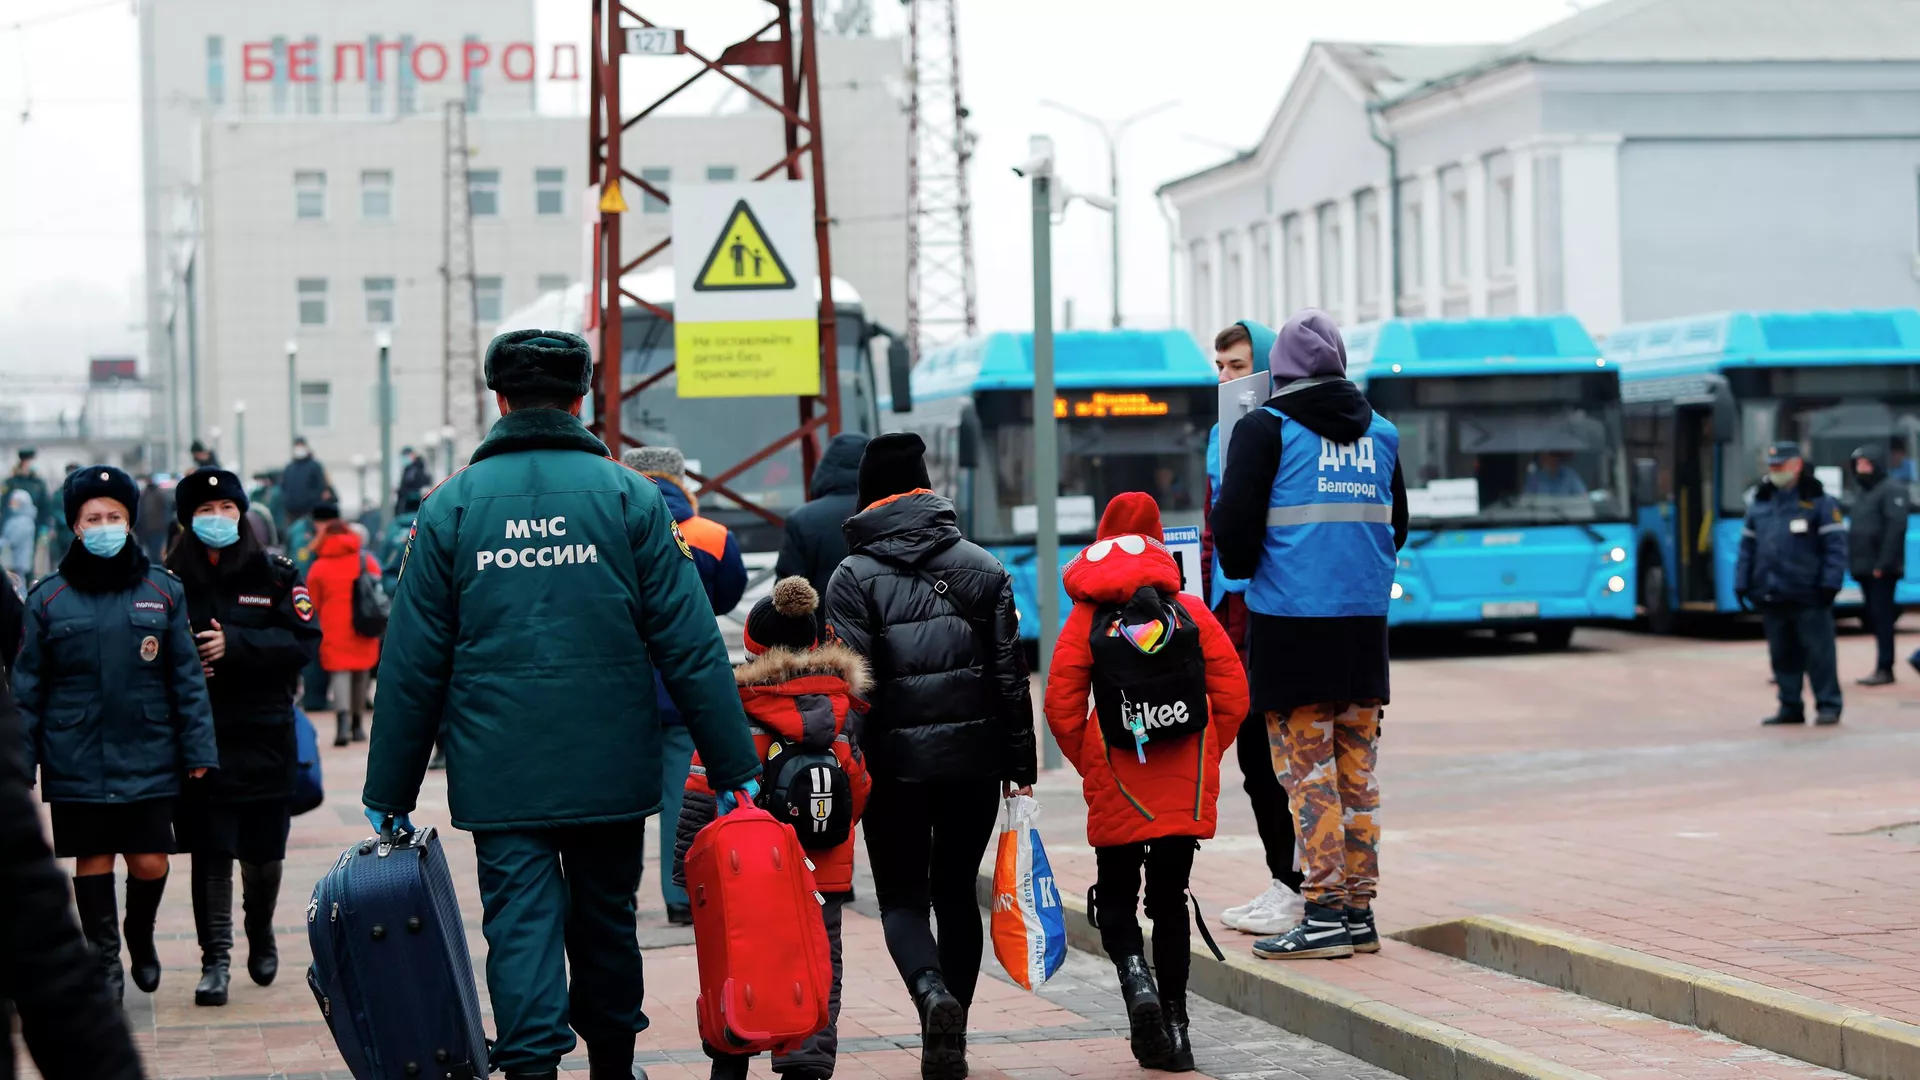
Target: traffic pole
[386,423]
[1046,454]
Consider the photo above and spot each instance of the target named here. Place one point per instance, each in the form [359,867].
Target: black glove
[1827,595]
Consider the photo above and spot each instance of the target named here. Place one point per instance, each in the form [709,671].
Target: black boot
[359,727]
[100,921]
[612,1063]
[729,1067]
[943,1028]
[213,919]
[143,902]
[1787,714]
[259,889]
[1143,1010]
[342,733]
[1179,1045]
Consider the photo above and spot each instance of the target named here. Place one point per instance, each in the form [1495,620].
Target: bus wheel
[1653,596]
[1554,636]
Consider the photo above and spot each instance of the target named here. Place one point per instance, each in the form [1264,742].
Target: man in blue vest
[1313,508]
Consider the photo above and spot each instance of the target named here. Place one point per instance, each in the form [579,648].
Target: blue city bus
[1512,452]
[1705,395]
[1133,406]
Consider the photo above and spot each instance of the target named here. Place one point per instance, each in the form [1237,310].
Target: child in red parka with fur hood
[1150,798]
[799,695]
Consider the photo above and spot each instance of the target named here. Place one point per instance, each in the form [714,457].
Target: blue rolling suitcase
[390,964]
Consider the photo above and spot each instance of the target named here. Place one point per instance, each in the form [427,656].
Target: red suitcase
[765,970]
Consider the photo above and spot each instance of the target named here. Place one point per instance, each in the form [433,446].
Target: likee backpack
[371,605]
[1149,674]
[807,788]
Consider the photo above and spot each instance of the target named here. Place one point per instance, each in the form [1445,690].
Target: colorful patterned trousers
[1327,750]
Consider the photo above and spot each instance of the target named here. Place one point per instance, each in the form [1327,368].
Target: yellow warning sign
[771,358]
[611,201]
[742,258]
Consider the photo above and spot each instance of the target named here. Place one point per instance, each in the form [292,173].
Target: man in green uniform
[544,585]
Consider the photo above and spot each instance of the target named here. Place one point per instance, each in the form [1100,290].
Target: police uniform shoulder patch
[680,538]
[302,603]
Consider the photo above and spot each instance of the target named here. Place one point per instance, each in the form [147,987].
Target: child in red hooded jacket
[1152,798]
[792,687]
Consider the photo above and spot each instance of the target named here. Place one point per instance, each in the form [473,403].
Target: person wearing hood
[717,556]
[814,542]
[1313,508]
[111,691]
[1238,351]
[1877,551]
[951,727]
[415,480]
[17,534]
[303,481]
[1793,558]
[203,456]
[341,560]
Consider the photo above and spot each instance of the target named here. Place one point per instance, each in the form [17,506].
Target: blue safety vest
[1222,584]
[1329,546]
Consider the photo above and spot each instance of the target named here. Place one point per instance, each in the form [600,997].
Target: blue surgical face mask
[216,530]
[104,540]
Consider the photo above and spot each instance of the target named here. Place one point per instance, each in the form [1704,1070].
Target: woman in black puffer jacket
[951,723]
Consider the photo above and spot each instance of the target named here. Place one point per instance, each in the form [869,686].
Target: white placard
[707,226]
[1073,514]
[1183,541]
[1444,498]
[1830,477]
[1237,399]
[653,41]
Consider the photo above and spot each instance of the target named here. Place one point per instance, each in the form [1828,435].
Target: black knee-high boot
[143,903]
[94,896]
[259,890]
[213,919]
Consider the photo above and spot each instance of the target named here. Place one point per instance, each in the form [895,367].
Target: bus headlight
[1397,592]
[1616,583]
[1618,554]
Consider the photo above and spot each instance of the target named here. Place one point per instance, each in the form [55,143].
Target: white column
[1474,170]
[1434,286]
[1389,295]
[1310,266]
[1222,281]
[1180,289]
[1525,277]
[1278,274]
[1349,312]
[1590,230]
[1249,275]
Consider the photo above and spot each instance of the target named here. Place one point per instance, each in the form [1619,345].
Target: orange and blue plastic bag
[1029,926]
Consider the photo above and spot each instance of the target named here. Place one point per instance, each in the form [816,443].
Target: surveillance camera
[1039,160]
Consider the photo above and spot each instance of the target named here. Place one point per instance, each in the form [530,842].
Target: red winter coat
[782,690]
[1177,791]
[330,582]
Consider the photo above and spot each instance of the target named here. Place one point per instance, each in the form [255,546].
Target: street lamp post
[1046,454]
[360,470]
[240,438]
[1111,131]
[447,437]
[385,340]
[293,391]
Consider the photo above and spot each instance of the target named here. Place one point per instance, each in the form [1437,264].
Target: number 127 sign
[653,41]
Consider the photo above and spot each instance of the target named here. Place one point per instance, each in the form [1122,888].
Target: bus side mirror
[900,375]
[1646,481]
[1726,412]
[967,454]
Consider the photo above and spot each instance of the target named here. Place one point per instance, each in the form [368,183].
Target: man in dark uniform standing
[1793,558]
[543,586]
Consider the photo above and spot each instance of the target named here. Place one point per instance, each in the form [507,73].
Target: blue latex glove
[729,801]
[378,819]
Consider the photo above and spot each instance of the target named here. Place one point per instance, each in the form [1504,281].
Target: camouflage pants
[1327,751]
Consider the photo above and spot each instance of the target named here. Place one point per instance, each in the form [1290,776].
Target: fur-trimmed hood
[779,665]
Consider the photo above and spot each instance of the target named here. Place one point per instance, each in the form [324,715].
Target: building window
[1367,246]
[376,83]
[316,405]
[1500,215]
[403,76]
[310,92]
[310,194]
[486,299]
[1236,274]
[1413,247]
[719,174]
[216,70]
[376,194]
[1295,234]
[547,283]
[313,301]
[1263,271]
[379,292]
[1333,285]
[473,78]
[549,191]
[279,53]
[1453,228]
[1199,287]
[483,192]
[660,177]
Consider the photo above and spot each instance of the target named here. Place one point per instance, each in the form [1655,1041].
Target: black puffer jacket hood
[838,472]
[1328,406]
[950,697]
[814,542]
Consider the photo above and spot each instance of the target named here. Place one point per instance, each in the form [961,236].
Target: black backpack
[371,605]
[807,788]
[1149,674]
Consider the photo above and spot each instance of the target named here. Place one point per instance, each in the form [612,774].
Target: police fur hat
[202,486]
[656,461]
[539,364]
[784,617]
[100,482]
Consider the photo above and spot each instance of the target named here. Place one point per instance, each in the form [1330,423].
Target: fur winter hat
[657,461]
[100,482]
[784,617]
[539,364]
[203,486]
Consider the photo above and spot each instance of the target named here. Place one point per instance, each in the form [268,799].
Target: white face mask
[302,452]
[1783,478]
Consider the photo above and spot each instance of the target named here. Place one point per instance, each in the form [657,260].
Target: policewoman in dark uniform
[255,630]
[110,689]
[544,585]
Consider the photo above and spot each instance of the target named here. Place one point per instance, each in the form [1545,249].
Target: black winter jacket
[303,486]
[815,541]
[72,1028]
[1877,530]
[271,635]
[1793,551]
[950,697]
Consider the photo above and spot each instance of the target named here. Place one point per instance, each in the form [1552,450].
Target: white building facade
[1643,159]
[297,194]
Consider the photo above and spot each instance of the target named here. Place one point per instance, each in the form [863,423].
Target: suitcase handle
[732,1025]
[391,838]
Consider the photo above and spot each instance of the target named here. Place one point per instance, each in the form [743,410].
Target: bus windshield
[1497,451]
[1100,457]
[1829,428]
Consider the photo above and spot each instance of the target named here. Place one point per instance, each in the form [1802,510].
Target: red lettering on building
[573,64]
[303,65]
[473,56]
[506,61]
[359,62]
[439,72]
[257,68]
[380,52]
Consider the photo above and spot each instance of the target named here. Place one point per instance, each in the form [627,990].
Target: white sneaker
[1275,893]
[1278,914]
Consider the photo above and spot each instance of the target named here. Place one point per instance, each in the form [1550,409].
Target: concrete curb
[1373,1031]
[1818,1032]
